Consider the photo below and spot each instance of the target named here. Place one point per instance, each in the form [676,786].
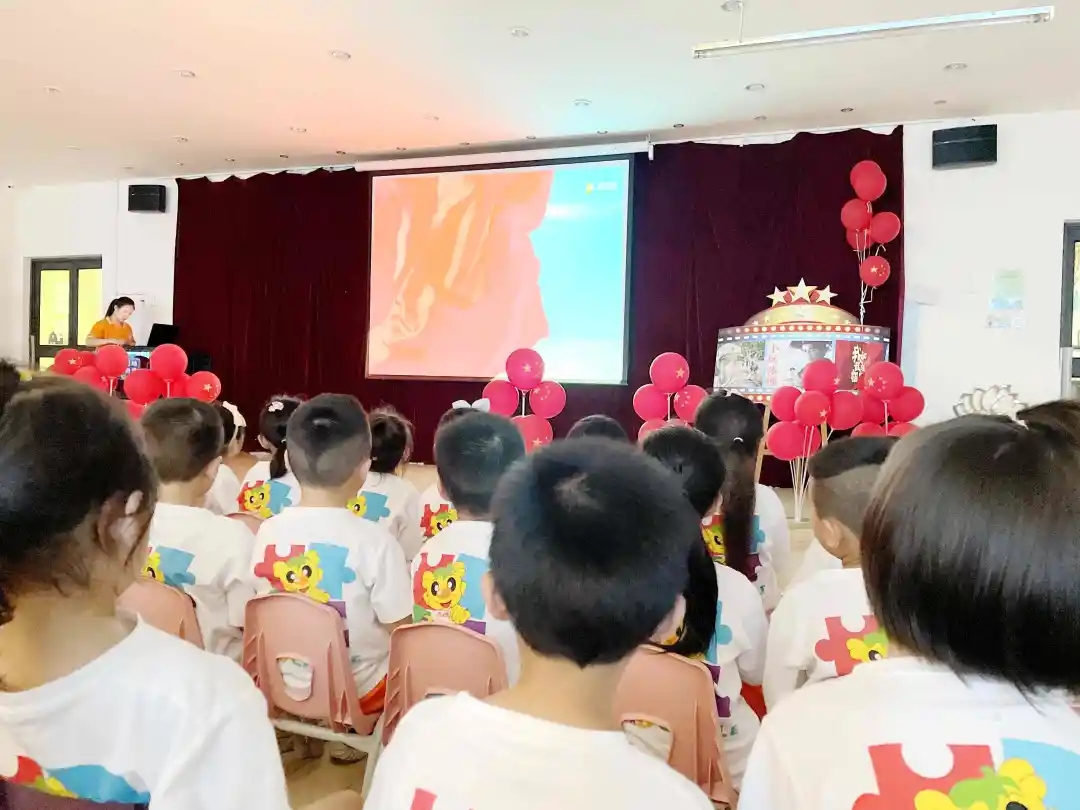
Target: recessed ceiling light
[519,33]
[601,132]
[677,126]
[186,74]
[756,87]
[940,102]
[283,157]
[340,152]
[465,143]
[180,139]
[530,137]
[956,66]
[178,163]
[298,130]
[732,5]
[50,89]
[402,149]
[230,160]
[582,102]
[129,168]
[75,148]
[847,109]
[431,118]
[761,118]
[341,56]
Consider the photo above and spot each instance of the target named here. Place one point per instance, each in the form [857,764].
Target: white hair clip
[238,419]
[480,405]
[275,406]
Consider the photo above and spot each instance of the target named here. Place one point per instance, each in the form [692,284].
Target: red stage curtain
[271,272]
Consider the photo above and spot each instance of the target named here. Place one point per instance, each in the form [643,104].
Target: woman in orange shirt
[114,328]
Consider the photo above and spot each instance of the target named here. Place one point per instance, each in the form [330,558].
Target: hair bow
[275,406]
[480,405]
[238,418]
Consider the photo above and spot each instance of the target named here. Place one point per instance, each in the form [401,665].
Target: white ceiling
[264,66]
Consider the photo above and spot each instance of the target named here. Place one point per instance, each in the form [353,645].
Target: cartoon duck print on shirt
[370,506]
[437,519]
[264,499]
[91,782]
[302,574]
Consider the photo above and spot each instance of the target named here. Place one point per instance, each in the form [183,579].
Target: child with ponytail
[269,486]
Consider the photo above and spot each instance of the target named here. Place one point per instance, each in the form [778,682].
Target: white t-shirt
[502,760]
[264,496]
[352,565]
[209,556]
[436,512]
[446,585]
[394,504]
[224,495]
[823,628]
[770,543]
[815,559]
[906,733]
[155,720]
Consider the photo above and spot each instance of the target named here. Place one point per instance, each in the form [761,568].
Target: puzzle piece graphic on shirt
[318,571]
[757,536]
[437,519]
[424,800]
[169,565]
[448,589]
[1054,770]
[837,647]
[264,499]
[336,574]
[91,782]
[898,785]
[712,531]
[265,569]
[370,506]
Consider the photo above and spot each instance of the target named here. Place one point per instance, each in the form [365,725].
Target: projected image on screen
[467,266]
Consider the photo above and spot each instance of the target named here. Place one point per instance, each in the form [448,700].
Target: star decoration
[680,373]
[207,388]
[825,296]
[801,292]
[527,368]
[777,297]
[537,443]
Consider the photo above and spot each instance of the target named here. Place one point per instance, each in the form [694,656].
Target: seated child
[93,704]
[970,558]
[575,525]
[270,486]
[387,498]
[190,547]
[471,454]
[750,532]
[235,463]
[598,426]
[831,603]
[436,510]
[732,629]
[321,550]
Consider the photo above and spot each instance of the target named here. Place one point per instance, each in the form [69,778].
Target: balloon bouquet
[165,377]
[669,391]
[525,383]
[866,230]
[882,406]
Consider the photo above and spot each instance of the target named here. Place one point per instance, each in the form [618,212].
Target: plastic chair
[164,607]
[290,626]
[674,692]
[431,658]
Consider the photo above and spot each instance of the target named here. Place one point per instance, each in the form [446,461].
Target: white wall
[964,226]
[85,219]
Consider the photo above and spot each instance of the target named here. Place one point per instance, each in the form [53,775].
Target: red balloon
[859,240]
[901,428]
[847,410]
[204,386]
[873,410]
[525,368]
[908,405]
[548,400]
[134,409]
[868,429]
[142,386]
[535,431]
[812,408]
[790,440]
[504,398]
[783,401]
[670,372]
[673,422]
[856,215]
[92,377]
[67,362]
[883,381]
[88,359]
[111,360]
[868,180]
[875,271]
[688,401]
[821,375]
[650,403]
[650,426]
[178,387]
[168,362]
[885,227]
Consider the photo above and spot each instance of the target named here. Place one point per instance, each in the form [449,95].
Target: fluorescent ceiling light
[856,33]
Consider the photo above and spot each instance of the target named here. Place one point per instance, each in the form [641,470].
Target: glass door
[65,301]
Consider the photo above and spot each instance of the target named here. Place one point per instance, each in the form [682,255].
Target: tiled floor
[310,780]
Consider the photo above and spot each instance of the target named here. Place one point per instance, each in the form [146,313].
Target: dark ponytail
[116,303]
[272,424]
[701,595]
[737,426]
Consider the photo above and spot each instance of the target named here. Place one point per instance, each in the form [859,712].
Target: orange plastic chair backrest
[677,693]
[285,626]
[431,658]
[164,607]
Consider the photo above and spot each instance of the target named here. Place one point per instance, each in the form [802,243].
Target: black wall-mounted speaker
[146,198]
[963,147]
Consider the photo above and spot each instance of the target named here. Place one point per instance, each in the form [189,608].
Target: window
[65,301]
